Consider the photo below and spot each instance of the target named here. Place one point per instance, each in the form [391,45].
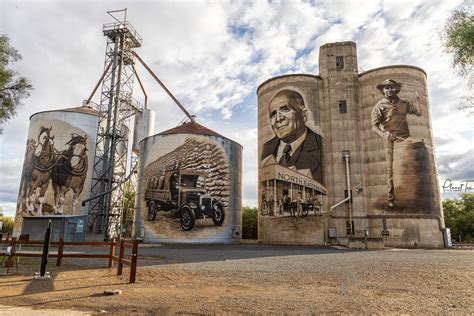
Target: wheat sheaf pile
[198,155]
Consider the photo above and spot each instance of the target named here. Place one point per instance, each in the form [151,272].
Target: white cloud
[8,209]
[335,33]
[213,55]
[351,14]
[457,166]
[400,10]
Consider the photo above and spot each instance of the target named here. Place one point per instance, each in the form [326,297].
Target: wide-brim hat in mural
[389,82]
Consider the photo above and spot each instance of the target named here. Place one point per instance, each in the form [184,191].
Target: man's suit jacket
[307,156]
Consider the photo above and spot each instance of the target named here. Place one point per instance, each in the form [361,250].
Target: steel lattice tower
[115,109]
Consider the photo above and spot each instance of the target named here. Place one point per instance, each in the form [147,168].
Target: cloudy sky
[214,54]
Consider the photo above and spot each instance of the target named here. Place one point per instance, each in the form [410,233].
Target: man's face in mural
[390,91]
[287,118]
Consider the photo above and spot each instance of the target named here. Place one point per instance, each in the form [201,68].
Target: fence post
[133,265]
[111,252]
[122,252]
[59,261]
[10,256]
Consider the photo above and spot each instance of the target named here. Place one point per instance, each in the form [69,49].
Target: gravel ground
[249,279]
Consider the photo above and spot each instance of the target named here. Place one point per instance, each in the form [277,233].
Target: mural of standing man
[294,144]
[389,121]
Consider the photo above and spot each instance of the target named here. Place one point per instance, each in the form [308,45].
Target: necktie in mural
[286,156]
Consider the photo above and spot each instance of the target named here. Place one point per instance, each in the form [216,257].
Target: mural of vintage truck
[182,192]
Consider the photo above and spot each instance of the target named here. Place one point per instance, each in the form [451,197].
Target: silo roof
[79,109]
[191,128]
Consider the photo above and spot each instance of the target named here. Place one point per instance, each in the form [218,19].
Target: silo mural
[402,179]
[291,166]
[408,165]
[58,163]
[345,156]
[399,142]
[189,186]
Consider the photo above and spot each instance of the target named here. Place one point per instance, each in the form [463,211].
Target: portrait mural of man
[294,146]
[389,121]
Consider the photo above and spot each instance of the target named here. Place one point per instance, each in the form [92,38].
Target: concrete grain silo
[57,173]
[368,175]
[283,186]
[415,216]
[144,126]
[189,187]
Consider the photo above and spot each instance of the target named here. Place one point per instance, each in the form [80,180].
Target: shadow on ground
[164,254]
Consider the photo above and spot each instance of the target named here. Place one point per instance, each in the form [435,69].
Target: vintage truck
[180,192]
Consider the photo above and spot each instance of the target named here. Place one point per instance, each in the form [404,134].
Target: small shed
[68,227]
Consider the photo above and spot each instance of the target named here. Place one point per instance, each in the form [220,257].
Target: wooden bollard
[122,253]
[111,253]
[59,260]
[133,265]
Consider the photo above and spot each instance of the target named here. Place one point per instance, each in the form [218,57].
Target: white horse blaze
[76,159]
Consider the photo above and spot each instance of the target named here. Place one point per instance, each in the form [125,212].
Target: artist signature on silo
[458,185]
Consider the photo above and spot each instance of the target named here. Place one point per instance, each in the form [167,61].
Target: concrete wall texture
[380,119]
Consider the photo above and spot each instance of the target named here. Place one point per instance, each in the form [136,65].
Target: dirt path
[389,281]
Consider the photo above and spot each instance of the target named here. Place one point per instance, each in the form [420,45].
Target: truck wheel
[187,218]
[218,215]
[152,211]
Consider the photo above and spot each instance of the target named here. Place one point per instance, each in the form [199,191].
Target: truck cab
[183,191]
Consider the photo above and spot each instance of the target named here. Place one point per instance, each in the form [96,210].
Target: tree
[249,222]
[128,196]
[458,39]
[7,225]
[13,88]
[459,217]
[128,208]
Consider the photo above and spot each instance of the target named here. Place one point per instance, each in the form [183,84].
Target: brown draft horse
[26,174]
[41,164]
[69,172]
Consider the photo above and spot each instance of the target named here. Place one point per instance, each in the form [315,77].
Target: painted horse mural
[66,170]
[69,172]
[39,171]
[26,174]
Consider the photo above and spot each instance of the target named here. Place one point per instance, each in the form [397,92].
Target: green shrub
[7,225]
[459,217]
[249,222]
